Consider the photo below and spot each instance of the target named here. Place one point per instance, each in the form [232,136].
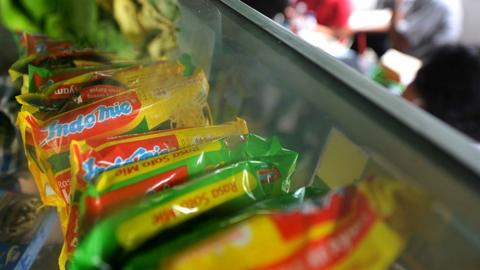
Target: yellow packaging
[85,88]
[182,102]
[358,227]
[46,192]
[90,158]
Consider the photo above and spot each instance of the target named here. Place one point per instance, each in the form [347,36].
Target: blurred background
[470,22]
[399,34]
[423,50]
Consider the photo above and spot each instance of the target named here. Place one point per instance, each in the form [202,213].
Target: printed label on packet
[121,174]
[90,121]
[63,182]
[111,160]
[65,92]
[90,93]
[96,156]
[99,205]
[58,130]
[96,207]
[98,91]
[183,208]
[329,243]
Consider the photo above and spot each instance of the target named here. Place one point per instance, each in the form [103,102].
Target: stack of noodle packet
[103,107]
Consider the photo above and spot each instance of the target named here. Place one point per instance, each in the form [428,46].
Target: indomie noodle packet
[227,189]
[40,78]
[97,84]
[357,227]
[91,157]
[19,71]
[183,104]
[130,182]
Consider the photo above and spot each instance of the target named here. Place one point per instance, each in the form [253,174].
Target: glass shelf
[283,86]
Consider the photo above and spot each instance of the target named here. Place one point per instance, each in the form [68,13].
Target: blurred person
[416,26]
[448,87]
[331,15]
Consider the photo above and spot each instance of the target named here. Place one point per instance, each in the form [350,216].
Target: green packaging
[222,191]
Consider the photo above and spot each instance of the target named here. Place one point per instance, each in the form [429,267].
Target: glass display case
[344,126]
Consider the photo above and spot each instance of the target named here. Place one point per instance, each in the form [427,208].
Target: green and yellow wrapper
[355,227]
[135,180]
[20,70]
[182,102]
[230,188]
[89,158]
[93,84]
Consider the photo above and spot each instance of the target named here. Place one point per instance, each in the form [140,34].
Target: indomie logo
[93,169]
[101,114]
[268,175]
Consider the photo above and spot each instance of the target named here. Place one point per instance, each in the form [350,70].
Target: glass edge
[443,136]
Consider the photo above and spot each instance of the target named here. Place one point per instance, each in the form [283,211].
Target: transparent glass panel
[283,86]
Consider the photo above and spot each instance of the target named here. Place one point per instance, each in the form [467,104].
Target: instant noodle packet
[128,183]
[19,71]
[89,158]
[357,227]
[85,88]
[40,78]
[221,191]
[152,175]
[61,59]
[183,104]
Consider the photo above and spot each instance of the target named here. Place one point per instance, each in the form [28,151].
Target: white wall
[471,30]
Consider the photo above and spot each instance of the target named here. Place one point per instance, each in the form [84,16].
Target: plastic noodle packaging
[94,85]
[130,182]
[21,70]
[221,191]
[89,158]
[182,102]
[357,227]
